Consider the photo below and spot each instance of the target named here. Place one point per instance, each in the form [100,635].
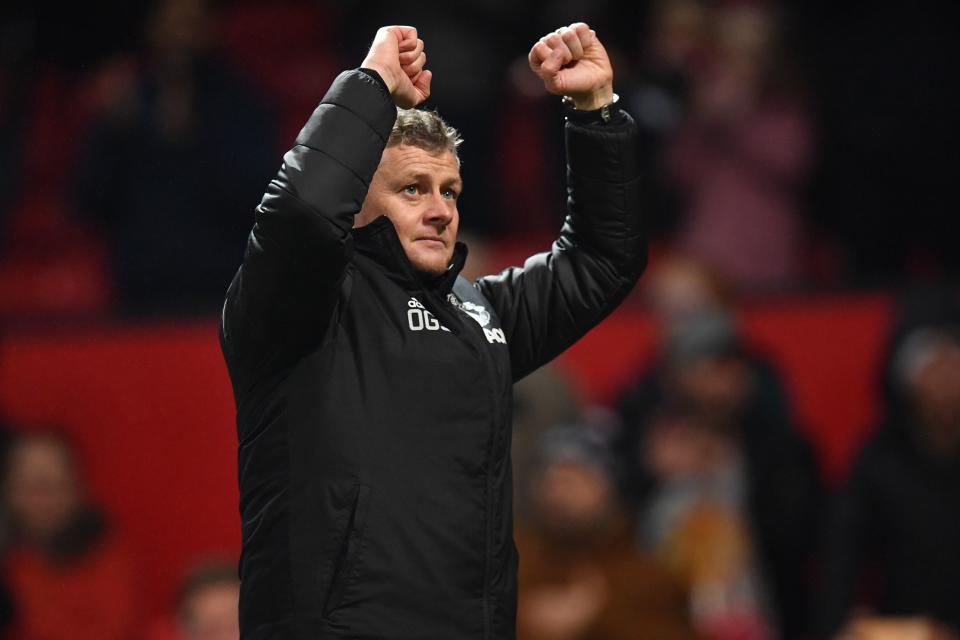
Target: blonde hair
[425,129]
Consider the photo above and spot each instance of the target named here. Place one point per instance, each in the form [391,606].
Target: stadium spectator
[678,285]
[69,576]
[541,400]
[175,166]
[206,605]
[208,602]
[696,514]
[659,93]
[742,155]
[709,407]
[867,628]
[892,541]
[581,577]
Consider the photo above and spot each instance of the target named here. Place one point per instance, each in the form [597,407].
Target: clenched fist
[397,55]
[572,62]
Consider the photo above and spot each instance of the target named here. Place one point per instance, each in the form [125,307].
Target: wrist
[606,113]
[389,79]
[593,100]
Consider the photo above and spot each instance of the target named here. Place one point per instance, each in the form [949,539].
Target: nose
[439,211]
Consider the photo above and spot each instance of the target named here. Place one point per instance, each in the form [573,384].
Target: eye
[410,189]
[450,194]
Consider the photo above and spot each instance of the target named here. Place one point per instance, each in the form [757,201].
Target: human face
[935,386]
[572,498]
[42,489]
[417,190]
[212,614]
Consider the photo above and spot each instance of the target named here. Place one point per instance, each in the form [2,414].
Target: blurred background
[762,442]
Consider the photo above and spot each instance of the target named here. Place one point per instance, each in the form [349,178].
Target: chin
[433,264]
[431,268]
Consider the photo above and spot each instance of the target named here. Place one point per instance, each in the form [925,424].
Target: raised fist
[397,55]
[572,62]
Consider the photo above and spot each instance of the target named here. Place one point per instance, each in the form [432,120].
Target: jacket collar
[379,241]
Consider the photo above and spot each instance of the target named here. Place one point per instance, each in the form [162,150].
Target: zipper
[441,307]
[488,551]
[487,359]
[491,456]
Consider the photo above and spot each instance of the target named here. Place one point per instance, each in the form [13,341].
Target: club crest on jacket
[475,311]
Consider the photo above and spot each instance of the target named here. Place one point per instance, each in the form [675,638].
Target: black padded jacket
[373,404]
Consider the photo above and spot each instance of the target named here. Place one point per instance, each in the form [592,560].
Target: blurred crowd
[786,146]
[696,508]
[67,574]
[693,507]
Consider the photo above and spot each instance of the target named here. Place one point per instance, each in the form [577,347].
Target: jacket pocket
[349,549]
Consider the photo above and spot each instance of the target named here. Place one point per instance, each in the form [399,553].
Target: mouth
[435,242]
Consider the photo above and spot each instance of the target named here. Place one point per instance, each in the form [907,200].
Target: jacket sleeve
[284,293]
[556,297]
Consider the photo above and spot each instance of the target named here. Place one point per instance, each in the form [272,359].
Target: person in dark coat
[186,144]
[892,560]
[708,370]
[582,575]
[373,385]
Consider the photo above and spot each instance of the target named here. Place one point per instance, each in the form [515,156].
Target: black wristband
[607,114]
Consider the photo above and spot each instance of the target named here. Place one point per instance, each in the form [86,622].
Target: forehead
[404,160]
[39,455]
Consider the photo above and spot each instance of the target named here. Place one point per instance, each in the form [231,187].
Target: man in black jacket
[373,385]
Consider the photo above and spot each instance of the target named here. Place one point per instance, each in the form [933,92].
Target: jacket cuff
[594,116]
[376,76]
[606,151]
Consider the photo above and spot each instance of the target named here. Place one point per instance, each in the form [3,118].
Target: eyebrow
[454,181]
